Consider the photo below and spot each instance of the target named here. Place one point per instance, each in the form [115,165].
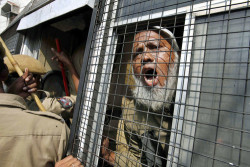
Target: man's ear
[3,70]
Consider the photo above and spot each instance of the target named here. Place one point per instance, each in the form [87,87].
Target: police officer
[58,105]
[29,138]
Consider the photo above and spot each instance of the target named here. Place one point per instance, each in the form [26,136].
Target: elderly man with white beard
[144,130]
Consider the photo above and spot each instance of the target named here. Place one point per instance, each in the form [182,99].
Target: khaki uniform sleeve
[52,105]
[63,142]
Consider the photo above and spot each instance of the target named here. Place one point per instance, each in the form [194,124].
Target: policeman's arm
[62,57]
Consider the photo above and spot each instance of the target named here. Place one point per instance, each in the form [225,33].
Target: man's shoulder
[44,115]
[28,122]
[46,119]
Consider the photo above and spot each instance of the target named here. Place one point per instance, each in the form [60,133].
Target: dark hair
[2,66]
[2,50]
[53,82]
[11,78]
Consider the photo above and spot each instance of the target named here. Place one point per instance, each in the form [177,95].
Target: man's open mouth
[150,76]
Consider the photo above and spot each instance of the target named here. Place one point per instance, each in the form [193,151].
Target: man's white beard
[156,97]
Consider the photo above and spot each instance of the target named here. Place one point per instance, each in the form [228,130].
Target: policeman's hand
[61,57]
[24,85]
[69,161]
[107,154]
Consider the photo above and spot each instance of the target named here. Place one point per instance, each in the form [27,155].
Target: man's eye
[138,51]
[152,46]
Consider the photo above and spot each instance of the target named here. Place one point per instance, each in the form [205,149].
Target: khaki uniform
[52,104]
[28,138]
[138,133]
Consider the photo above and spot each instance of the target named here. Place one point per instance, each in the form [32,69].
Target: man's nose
[147,58]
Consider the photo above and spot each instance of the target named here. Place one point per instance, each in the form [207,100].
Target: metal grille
[165,83]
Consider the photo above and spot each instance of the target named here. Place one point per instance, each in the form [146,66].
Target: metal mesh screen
[165,83]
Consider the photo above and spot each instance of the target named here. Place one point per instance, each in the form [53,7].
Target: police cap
[26,61]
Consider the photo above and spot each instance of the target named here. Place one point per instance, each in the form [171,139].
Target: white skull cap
[170,38]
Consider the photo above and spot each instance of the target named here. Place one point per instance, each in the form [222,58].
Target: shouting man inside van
[144,129]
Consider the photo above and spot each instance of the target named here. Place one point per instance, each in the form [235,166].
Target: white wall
[4,20]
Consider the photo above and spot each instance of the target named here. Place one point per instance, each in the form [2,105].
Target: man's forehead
[146,35]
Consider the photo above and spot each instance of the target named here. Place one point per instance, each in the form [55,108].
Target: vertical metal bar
[96,78]
[186,83]
[82,87]
[182,84]
[105,80]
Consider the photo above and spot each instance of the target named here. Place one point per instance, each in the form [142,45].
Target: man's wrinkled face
[152,58]
[154,71]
